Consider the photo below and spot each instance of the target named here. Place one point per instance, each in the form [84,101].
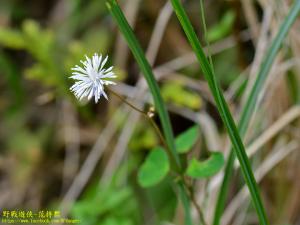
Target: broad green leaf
[185,141]
[154,169]
[207,168]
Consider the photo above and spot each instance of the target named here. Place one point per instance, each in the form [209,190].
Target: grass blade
[223,110]
[251,101]
[153,86]
[147,71]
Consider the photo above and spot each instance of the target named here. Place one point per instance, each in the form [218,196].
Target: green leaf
[223,28]
[11,38]
[175,93]
[207,168]
[39,72]
[185,141]
[154,169]
[39,42]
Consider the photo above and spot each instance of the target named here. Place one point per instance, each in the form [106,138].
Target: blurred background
[82,158]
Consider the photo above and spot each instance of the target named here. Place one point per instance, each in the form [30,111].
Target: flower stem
[194,201]
[125,101]
[150,118]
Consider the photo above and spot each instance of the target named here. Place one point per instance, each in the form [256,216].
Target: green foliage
[145,67]
[83,14]
[163,199]
[11,38]
[223,28]
[226,69]
[53,67]
[154,169]
[114,221]
[223,109]
[40,73]
[143,138]
[105,205]
[12,75]
[40,44]
[97,39]
[186,140]
[249,107]
[174,92]
[204,169]
[35,136]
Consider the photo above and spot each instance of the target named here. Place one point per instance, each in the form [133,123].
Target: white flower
[91,78]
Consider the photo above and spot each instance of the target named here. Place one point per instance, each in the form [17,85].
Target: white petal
[80,77]
[103,63]
[104,94]
[109,75]
[91,93]
[96,62]
[108,82]
[108,70]
[79,69]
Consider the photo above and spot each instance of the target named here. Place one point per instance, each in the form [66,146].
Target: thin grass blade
[250,104]
[223,110]
[153,86]
[147,71]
